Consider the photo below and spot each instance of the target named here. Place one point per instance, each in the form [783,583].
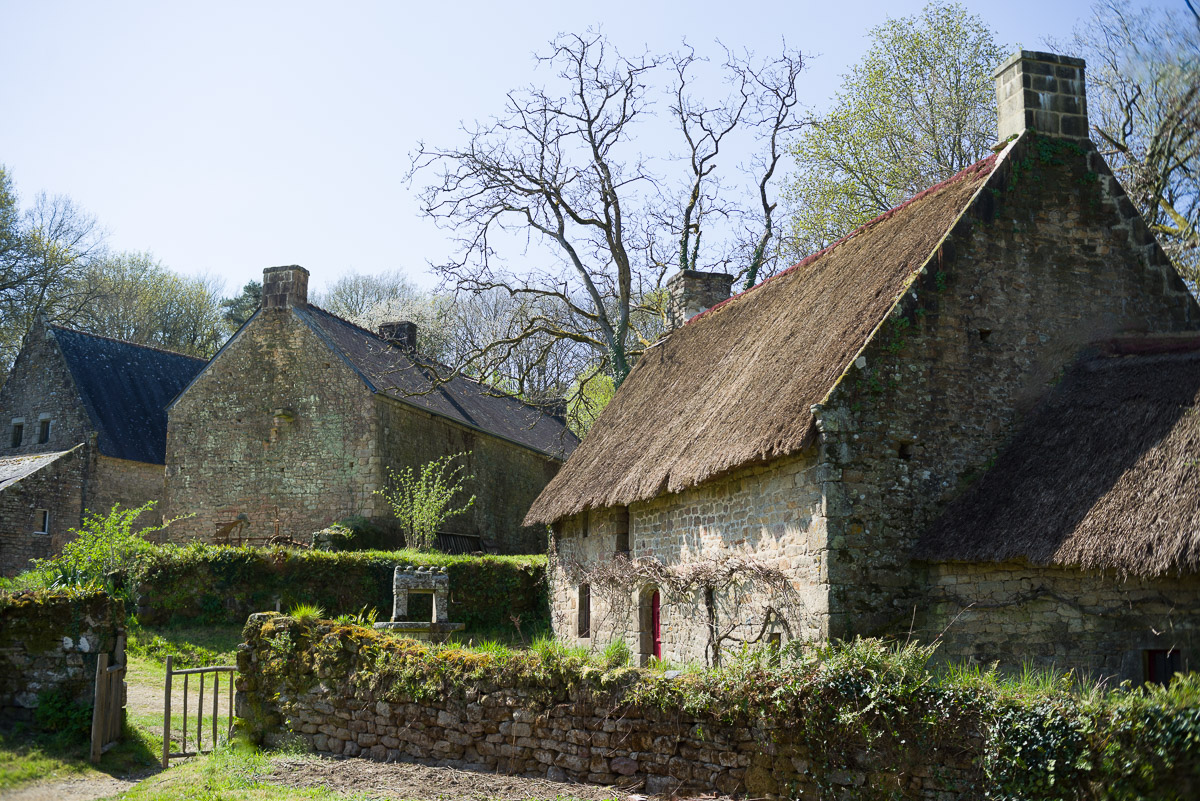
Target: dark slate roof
[125,389]
[407,377]
[15,468]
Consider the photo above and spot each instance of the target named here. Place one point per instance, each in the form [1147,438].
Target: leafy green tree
[239,308]
[137,299]
[422,502]
[918,108]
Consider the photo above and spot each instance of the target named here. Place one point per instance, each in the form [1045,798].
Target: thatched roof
[736,385]
[1104,474]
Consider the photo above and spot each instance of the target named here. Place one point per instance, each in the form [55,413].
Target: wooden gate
[109,699]
[214,717]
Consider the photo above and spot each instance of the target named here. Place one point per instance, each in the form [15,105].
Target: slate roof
[15,468]
[407,377]
[125,389]
[1105,473]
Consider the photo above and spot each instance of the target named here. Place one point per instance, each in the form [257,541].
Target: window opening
[1161,665]
[18,433]
[585,610]
[984,334]
[42,517]
[43,432]
[904,450]
[775,645]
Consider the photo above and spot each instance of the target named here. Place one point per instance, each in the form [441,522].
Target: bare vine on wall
[743,597]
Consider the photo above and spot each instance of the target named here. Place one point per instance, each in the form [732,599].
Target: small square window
[41,517]
[43,432]
[18,433]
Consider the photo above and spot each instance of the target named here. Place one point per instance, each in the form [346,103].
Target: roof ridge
[973,169]
[70,330]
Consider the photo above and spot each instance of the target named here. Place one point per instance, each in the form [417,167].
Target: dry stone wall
[49,643]
[566,729]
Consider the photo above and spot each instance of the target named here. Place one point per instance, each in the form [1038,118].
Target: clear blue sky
[230,136]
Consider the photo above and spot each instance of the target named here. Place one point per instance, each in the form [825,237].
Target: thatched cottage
[972,419]
[87,426]
[298,419]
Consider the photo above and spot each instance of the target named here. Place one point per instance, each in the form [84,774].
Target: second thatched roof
[736,385]
[1104,474]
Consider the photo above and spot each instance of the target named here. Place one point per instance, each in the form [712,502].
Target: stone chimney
[284,286]
[402,333]
[691,292]
[1042,91]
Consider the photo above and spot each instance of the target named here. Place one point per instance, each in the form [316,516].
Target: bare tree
[559,179]
[1144,105]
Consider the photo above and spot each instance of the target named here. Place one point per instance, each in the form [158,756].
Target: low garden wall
[859,722]
[222,584]
[49,641]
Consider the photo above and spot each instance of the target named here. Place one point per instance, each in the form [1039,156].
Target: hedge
[213,584]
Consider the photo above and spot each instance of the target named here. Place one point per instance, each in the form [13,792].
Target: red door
[656,625]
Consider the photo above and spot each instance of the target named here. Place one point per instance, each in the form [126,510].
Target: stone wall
[40,384]
[1094,623]
[277,435]
[507,477]
[772,515]
[55,488]
[564,727]
[131,484]
[49,643]
[1050,259]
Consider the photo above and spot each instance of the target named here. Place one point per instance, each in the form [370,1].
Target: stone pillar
[1042,91]
[285,286]
[691,292]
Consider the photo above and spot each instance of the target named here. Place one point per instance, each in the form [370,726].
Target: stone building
[85,428]
[298,419]
[972,419]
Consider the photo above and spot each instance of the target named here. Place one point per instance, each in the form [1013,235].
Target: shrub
[422,501]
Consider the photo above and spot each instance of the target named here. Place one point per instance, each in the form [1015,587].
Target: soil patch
[406,780]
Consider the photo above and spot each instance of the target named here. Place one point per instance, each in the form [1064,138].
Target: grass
[26,758]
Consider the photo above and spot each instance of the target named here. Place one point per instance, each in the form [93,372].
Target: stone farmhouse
[86,429]
[973,419]
[299,418]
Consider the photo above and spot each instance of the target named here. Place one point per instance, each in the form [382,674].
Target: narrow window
[42,518]
[1161,665]
[904,450]
[43,431]
[985,334]
[585,610]
[775,646]
[587,522]
[18,433]
[621,524]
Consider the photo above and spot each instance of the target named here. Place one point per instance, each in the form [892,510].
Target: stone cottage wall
[55,488]
[49,644]
[131,484]
[1094,623]
[507,477]
[277,429]
[1050,258]
[772,515]
[39,384]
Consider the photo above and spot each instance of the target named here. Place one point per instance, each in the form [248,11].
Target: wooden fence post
[100,709]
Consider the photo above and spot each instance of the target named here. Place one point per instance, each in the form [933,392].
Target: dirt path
[80,788]
[144,696]
[403,780]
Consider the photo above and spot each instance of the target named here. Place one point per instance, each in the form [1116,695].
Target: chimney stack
[402,333]
[284,287]
[1042,91]
[691,292]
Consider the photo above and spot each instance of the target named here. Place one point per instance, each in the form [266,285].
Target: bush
[211,584]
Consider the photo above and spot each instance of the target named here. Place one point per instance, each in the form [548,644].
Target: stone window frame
[42,516]
[45,426]
[18,432]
